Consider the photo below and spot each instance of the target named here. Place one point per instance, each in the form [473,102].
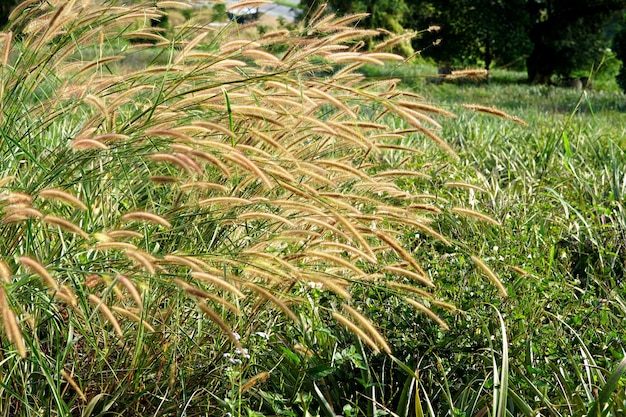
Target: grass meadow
[204,220]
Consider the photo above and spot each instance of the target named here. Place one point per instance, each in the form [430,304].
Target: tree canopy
[476,31]
[5,9]
[547,37]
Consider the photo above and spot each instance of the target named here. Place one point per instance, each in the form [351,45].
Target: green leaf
[320,371]
[600,407]
[293,357]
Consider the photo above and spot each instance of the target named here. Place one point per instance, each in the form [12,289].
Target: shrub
[162,200]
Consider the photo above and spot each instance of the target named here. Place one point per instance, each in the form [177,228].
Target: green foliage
[560,252]
[551,186]
[619,47]
[474,32]
[569,36]
[5,9]
[167,197]
[195,226]
[548,38]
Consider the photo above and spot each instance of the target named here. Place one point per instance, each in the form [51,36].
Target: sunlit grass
[199,220]
[171,194]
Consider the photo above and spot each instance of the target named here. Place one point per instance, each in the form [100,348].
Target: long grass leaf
[601,406]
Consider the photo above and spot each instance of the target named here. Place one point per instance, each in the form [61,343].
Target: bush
[162,200]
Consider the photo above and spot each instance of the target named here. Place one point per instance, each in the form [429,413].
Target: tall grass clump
[172,199]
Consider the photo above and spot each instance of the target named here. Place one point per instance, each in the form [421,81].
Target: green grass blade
[504,370]
[601,407]
[566,145]
[565,388]
[612,382]
[521,404]
[419,411]
[412,384]
[320,396]
[404,402]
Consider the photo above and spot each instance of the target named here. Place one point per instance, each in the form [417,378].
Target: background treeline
[547,38]
[551,38]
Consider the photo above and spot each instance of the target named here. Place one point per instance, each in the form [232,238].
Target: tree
[5,9]
[568,35]
[551,37]
[474,31]
[619,47]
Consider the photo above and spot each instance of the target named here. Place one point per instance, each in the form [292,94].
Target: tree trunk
[488,54]
[540,64]
[538,72]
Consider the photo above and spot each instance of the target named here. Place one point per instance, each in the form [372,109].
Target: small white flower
[495,248]
[263,335]
[236,336]
[243,352]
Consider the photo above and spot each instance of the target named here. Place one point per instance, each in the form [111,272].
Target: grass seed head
[218,282]
[11,325]
[357,331]
[369,327]
[274,300]
[255,380]
[56,194]
[220,322]
[37,268]
[132,289]
[86,144]
[421,307]
[5,272]
[143,259]
[475,214]
[65,224]
[134,317]
[73,384]
[495,112]
[106,312]
[146,217]
[491,275]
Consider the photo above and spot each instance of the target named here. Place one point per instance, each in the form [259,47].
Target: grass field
[200,221]
[556,185]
